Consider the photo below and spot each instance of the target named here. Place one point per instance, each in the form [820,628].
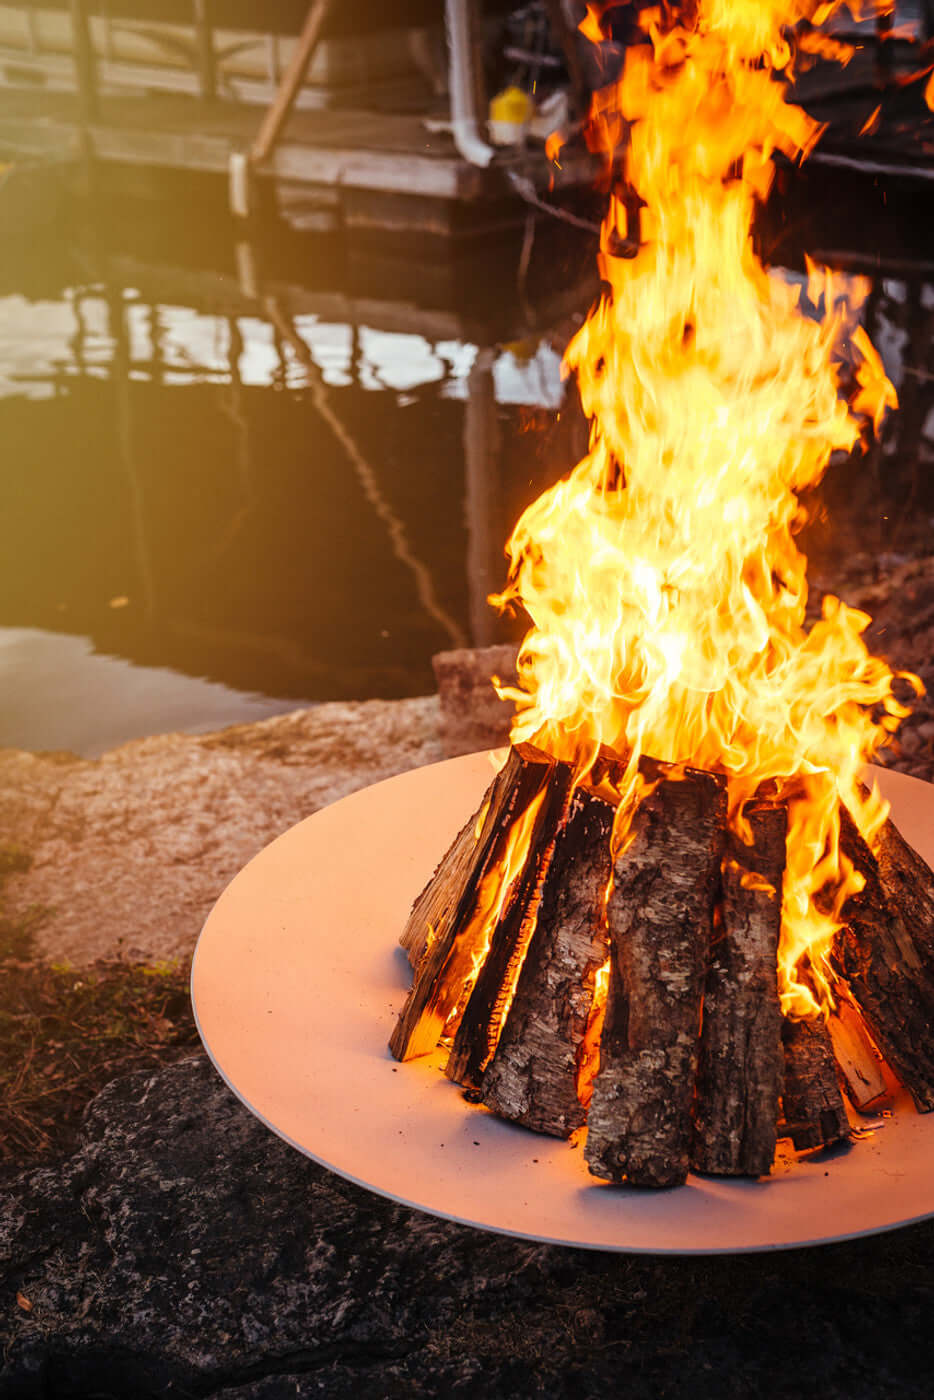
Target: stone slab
[130,851]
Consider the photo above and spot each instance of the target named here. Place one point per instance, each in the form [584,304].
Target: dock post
[240,185]
[85,65]
[207,65]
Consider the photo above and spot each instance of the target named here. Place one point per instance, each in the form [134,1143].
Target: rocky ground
[184,1250]
[129,851]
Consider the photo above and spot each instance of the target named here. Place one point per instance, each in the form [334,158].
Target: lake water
[242,476]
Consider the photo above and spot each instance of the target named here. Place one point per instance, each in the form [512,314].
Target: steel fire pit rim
[296,983]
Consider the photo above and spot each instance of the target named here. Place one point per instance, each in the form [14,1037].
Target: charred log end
[804,1136]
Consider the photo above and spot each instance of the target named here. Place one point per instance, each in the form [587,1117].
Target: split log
[443,888]
[449,903]
[814,1115]
[533,1076]
[659,918]
[886,953]
[489,1000]
[739,1080]
[859,1063]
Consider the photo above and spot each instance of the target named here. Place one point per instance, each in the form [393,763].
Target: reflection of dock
[303,490]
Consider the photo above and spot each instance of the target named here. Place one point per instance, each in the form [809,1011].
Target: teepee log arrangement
[636,991]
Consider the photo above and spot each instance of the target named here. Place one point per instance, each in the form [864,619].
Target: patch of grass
[65,1033]
[17,933]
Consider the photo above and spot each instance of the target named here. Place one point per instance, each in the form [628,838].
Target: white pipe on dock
[462,81]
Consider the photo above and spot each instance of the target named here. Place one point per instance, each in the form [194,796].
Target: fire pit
[297,985]
[678,909]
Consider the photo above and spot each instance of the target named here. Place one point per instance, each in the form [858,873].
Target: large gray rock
[130,851]
[186,1251]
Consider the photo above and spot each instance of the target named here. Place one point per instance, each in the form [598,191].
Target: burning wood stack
[660,966]
[678,912]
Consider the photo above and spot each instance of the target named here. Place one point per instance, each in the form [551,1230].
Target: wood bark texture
[659,916]
[814,1115]
[451,898]
[739,1080]
[886,954]
[483,1015]
[442,890]
[532,1078]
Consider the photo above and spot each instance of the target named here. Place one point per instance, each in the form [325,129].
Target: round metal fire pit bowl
[297,982]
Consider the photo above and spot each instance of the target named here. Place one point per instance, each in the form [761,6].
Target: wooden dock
[88,96]
[360,169]
[378,125]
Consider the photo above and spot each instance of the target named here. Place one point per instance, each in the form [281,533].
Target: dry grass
[65,1033]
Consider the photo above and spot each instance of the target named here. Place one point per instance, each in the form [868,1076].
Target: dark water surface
[228,489]
[241,476]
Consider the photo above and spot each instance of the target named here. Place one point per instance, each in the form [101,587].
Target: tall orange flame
[666,592]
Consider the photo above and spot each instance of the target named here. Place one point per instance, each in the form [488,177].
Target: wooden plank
[292,79]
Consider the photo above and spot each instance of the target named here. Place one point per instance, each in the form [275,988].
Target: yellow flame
[553,143]
[492,895]
[665,590]
[588,1056]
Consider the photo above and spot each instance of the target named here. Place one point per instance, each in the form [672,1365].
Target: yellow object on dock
[510,113]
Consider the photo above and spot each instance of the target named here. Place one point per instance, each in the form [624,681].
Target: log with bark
[533,1076]
[885,954]
[740,1074]
[682,921]
[443,921]
[488,1001]
[659,916]
[814,1114]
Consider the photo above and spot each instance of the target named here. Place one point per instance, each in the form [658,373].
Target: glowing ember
[666,592]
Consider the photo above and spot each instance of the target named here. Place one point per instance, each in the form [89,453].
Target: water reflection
[285,492]
[262,490]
